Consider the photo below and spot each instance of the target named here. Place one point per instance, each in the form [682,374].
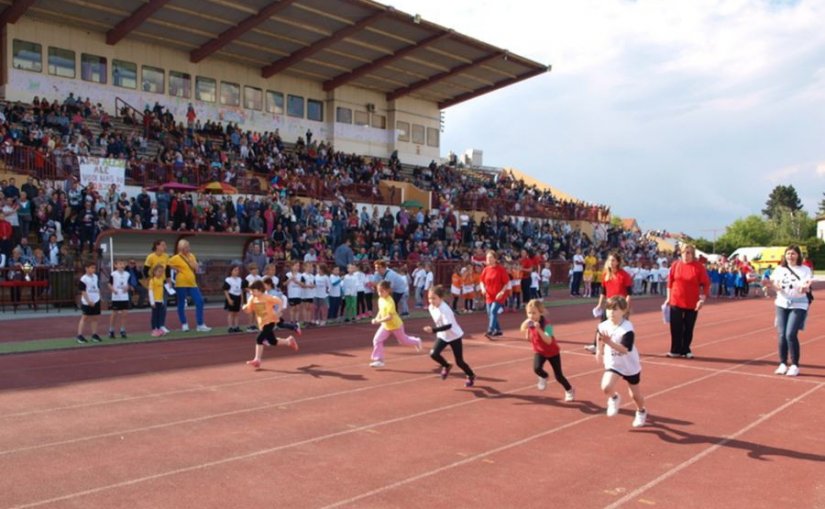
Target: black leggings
[267,334]
[362,303]
[682,321]
[458,353]
[555,363]
[282,324]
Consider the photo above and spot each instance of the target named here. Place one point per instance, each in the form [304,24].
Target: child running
[390,325]
[263,307]
[448,332]
[271,290]
[119,286]
[545,348]
[157,301]
[89,303]
[616,343]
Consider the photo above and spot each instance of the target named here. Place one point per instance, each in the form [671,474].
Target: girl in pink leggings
[391,325]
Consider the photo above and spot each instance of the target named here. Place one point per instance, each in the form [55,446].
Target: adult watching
[186,266]
[494,278]
[686,279]
[792,282]
[344,256]
[397,282]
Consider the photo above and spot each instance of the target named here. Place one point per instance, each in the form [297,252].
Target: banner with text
[102,172]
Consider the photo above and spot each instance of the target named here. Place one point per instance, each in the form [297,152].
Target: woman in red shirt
[495,280]
[615,281]
[685,278]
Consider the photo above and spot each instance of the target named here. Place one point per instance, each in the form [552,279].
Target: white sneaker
[590,348]
[613,405]
[640,419]
[377,364]
[570,395]
[542,384]
[793,370]
[204,328]
[165,330]
[184,327]
[781,370]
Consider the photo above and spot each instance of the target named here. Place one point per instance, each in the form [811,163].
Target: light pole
[713,230]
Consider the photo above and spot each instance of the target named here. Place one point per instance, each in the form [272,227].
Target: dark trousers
[577,282]
[458,353]
[158,315]
[555,363]
[362,303]
[682,321]
[334,308]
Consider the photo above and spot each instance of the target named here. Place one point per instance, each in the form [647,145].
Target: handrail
[132,108]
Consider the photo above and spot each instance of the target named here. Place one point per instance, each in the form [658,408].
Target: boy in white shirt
[119,286]
[89,303]
[545,280]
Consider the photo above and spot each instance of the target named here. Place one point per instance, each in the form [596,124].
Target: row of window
[93,68]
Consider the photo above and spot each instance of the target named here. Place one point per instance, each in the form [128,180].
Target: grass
[51,344]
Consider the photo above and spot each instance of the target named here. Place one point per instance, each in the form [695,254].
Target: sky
[681,114]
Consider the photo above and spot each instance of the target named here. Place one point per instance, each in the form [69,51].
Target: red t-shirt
[618,285]
[684,280]
[495,279]
[539,346]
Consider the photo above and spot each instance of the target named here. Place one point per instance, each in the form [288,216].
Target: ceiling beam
[400,92]
[241,28]
[13,12]
[490,88]
[134,20]
[343,79]
[303,53]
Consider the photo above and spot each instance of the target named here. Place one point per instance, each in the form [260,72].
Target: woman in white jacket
[792,282]
[448,332]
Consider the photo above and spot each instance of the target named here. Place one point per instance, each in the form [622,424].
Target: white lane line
[715,447]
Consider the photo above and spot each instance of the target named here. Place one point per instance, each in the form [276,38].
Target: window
[403,129]
[418,134]
[315,110]
[432,136]
[343,115]
[295,106]
[154,80]
[206,89]
[61,63]
[379,121]
[362,118]
[230,94]
[180,84]
[253,98]
[27,56]
[93,68]
[275,102]
[124,74]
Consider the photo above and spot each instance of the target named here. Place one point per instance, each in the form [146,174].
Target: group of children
[260,297]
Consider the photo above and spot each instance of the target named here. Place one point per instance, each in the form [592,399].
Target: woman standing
[615,282]
[186,285]
[684,280]
[495,280]
[792,282]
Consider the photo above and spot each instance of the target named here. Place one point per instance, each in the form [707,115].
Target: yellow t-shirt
[154,259]
[386,307]
[590,262]
[185,277]
[156,287]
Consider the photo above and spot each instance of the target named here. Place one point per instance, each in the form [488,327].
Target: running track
[187,424]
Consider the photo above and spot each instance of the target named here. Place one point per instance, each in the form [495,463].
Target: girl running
[448,332]
[390,325]
[616,346]
[263,307]
[545,347]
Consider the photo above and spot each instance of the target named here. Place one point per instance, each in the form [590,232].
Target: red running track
[187,424]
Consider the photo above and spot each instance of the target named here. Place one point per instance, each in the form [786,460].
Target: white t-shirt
[443,315]
[350,285]
[89,285]
[578,263]
[251,278]
[627,364]
[321,286]
[545,275]
[418,277]
[308,292]
[233,285]
[534,280]
[360,281]
[790,296]
[335,284]
[428,280]
[120,286]
[293,287]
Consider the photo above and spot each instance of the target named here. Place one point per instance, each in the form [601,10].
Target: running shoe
[640,419]
[445,371]
[613,405]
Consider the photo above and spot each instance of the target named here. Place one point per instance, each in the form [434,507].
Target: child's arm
[547,338]
[619,347]
[151,296]
[247,307]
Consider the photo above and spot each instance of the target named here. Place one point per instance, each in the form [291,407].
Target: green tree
[750,231]
[791,227]
[782,197]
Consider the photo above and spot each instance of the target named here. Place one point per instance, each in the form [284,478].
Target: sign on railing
[102,172]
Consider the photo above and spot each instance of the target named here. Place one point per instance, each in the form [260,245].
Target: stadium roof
[337,42]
